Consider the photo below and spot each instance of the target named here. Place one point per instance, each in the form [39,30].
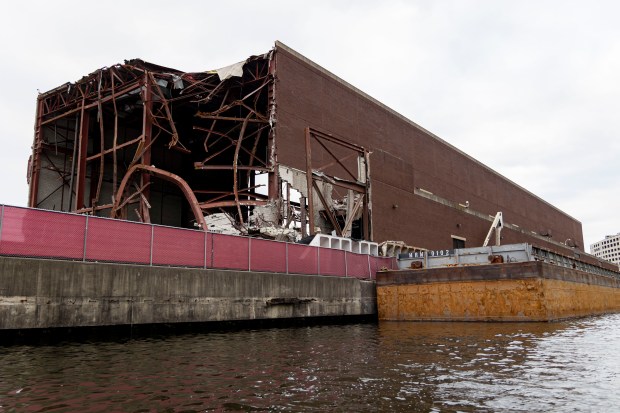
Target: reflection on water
[392,366]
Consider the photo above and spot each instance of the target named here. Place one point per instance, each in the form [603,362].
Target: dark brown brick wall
[405,157]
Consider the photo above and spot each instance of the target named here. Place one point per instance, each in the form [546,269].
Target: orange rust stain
[500,300]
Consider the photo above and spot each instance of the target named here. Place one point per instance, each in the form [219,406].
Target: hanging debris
[148,143]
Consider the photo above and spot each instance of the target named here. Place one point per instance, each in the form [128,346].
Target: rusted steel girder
[82,146]
[227,135]
[68,97]
[168,176]
[360,185]
[147,133]
[221,131]
[34,166]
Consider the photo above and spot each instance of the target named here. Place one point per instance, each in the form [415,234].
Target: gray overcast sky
[530,88]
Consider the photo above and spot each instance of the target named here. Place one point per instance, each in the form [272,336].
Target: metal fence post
[205,248]
[85,237]
[213,252]
[152,232]
[369,269]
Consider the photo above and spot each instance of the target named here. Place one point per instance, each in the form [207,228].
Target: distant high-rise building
[607,249]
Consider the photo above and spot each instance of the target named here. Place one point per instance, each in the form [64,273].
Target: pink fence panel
[175,246]
[118,241]
[374,267]
[379,263]
[40,233]
[267,255]
[357,265]
[209,242]
[231,252]
[392,263]
[331,262]
[303,259]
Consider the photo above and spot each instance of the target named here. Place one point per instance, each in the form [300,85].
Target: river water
[388,366]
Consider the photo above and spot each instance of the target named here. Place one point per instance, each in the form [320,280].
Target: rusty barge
[502,283]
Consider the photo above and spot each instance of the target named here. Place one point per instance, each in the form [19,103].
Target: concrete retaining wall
[530,291]
[45,294]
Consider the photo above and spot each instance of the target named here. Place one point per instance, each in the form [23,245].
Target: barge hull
[525,291]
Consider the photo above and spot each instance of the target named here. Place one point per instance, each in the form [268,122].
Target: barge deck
[529,290]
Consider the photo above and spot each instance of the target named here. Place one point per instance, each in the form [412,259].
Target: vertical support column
[302,210]
[75,147]
[309,181]
[346,267]
[273,187]
[94,177]
[288,215]
[35,163]
[273,190]
[369,269]
[147,131]
[82,153]
[367,229]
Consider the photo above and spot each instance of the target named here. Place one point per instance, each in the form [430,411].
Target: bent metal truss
[153,144]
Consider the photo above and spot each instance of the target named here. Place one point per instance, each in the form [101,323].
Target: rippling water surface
[389,366]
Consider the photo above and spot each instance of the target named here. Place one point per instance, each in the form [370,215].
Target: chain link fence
[37,233]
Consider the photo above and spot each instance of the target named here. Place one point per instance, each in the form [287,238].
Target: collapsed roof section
[147,143]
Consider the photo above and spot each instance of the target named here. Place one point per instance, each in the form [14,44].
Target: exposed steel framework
[94,134]
[147,143]
[357,183]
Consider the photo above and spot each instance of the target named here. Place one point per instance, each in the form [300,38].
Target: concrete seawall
[527,291]
[37,293]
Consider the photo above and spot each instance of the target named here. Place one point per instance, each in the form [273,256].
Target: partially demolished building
[274,146]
